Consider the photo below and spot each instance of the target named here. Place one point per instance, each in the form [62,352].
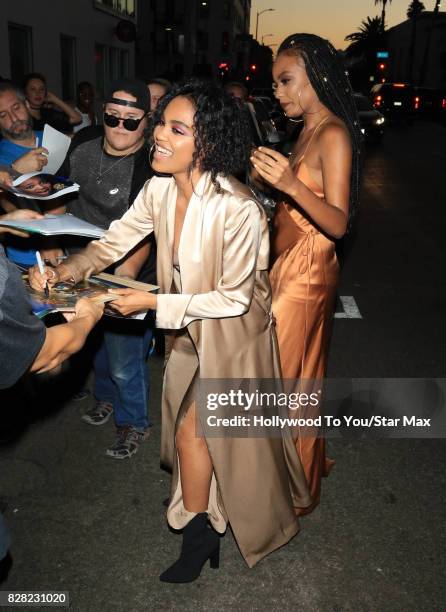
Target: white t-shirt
[85,121]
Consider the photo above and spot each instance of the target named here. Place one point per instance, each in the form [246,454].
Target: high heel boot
[200,543]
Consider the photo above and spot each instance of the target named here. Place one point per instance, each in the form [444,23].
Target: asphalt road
[92,526]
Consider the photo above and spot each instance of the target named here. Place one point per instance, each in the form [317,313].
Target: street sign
[382,54]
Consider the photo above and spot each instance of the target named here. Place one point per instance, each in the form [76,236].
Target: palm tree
[383,14]
[414,10]
[367,40]
[361,53]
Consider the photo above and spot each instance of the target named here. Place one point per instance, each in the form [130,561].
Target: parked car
[266,127]
[372,121]
[266,103]
[272,108]
[430,103]
[396,101]
[263,92]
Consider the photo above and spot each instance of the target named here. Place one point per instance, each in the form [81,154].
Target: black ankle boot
[200,543]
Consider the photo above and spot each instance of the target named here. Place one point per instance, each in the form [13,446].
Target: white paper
[54,225]
[57,145]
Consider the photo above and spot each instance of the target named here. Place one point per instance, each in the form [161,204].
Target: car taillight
[443,103]
[378,100]
[417,103]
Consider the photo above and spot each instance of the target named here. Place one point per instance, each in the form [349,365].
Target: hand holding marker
[42,272]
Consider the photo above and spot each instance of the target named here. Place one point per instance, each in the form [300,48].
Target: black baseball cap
[134,87]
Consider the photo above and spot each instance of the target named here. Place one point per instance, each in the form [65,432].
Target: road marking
[350,308]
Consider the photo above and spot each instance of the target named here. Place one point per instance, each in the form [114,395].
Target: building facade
[417,51]
[68,42]
[181,38]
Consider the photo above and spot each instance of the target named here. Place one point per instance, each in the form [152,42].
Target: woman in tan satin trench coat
[215,300]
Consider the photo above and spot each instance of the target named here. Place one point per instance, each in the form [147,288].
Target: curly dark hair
[221,130]
[33,75]
[329,79]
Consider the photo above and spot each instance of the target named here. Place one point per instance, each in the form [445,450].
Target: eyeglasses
[128,124]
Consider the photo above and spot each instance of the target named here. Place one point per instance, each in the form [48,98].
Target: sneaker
[99,414]
[127,442]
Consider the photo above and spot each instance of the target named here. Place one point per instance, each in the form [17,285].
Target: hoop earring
[151,150]
[300,104]
[313,112]
[190,170]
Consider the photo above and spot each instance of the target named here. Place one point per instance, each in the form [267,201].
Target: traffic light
[382,71]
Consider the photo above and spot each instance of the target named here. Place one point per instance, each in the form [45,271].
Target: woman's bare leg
[195,464]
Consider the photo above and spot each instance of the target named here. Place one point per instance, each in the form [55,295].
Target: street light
[265,36]
[258,15]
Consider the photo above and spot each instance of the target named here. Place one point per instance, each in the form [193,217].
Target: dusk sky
[332,19]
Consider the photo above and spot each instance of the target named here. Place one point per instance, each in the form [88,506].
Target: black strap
[124,103]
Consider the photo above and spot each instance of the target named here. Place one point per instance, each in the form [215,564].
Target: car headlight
[379,121]
[362,130]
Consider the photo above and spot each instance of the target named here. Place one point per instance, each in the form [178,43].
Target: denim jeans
[121,374]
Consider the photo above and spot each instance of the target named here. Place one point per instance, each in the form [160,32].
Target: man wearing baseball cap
[111,169]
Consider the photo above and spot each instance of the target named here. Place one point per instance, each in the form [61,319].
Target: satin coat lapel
[190,250]
[165,237]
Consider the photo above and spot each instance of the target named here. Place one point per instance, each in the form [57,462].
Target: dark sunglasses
[129,124]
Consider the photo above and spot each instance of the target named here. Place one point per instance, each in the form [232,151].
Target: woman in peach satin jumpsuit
[319,185]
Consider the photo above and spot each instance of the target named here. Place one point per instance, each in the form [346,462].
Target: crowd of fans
[119,157]
[118,351]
